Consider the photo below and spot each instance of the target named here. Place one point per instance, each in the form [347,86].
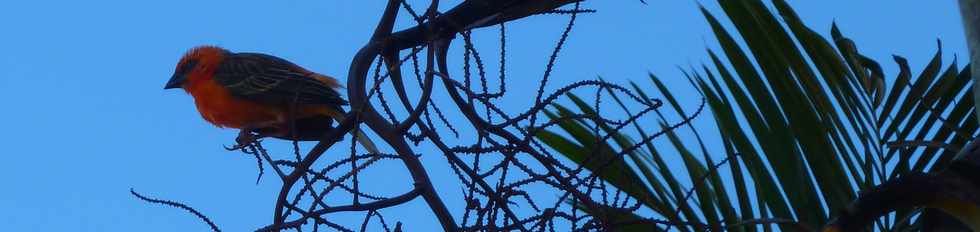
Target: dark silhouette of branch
[179,206]
[498,157]
[372,206]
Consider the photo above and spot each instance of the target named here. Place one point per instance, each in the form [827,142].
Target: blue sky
[86,116]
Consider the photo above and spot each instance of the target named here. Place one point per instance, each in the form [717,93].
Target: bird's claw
[244,139]
[237,147]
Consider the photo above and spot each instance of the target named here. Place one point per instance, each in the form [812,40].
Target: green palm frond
[806,122]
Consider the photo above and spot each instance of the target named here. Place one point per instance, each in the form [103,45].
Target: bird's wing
[273,80]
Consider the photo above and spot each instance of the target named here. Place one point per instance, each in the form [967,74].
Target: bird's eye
[186,67]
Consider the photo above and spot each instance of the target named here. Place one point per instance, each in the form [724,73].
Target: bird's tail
[361,137]
[366,142]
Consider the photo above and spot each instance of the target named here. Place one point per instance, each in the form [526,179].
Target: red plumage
[258,93]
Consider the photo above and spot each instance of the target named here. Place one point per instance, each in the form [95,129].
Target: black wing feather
[270,79]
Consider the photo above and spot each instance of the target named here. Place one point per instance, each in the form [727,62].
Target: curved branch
[441,28]
[470,113]
[376,205]
[359,104]
[333,136]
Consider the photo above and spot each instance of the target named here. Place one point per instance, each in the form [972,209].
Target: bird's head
[196,65]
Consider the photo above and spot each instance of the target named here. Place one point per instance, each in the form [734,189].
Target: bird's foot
[245,139]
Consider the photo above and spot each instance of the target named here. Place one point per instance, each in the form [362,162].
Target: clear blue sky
[86,117]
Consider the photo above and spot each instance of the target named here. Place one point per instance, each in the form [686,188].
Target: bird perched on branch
[259,93]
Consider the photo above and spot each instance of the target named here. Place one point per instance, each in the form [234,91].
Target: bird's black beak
[176,81]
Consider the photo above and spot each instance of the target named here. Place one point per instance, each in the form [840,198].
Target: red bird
[260,93]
